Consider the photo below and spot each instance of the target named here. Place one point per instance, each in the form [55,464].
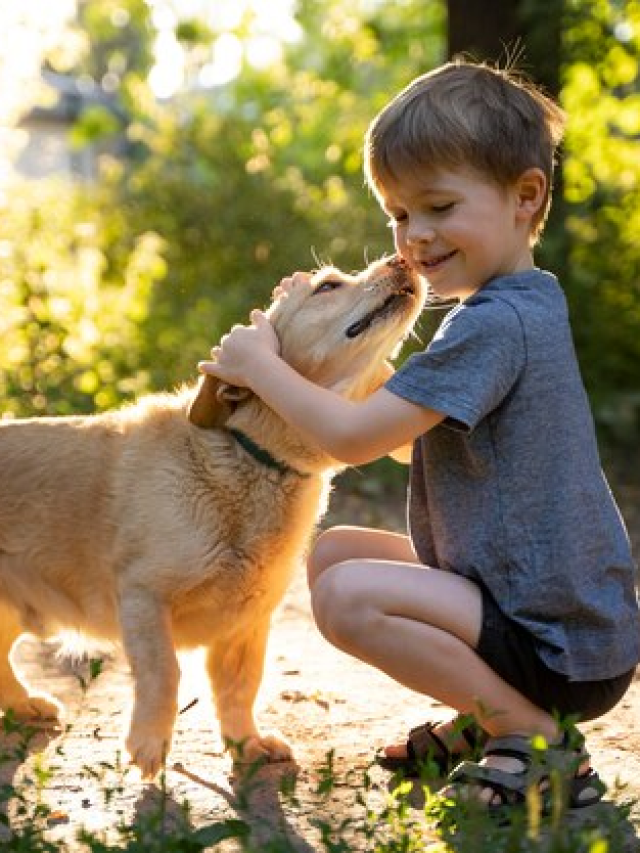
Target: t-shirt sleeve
[473,361]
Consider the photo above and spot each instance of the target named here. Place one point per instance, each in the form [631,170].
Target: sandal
[425,747]
[509,788]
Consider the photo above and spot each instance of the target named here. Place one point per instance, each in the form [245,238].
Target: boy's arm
[351,432]
[402,454]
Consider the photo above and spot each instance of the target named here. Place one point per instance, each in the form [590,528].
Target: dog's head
[335,329]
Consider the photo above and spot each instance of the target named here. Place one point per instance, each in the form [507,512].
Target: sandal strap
[423,742]
[586,790]
[537,767]
[466,726]
[499,781]
[511,746]
[562,756]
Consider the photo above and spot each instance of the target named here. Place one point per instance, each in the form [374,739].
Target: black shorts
[510,651]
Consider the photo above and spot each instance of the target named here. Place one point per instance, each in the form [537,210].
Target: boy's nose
[420,232]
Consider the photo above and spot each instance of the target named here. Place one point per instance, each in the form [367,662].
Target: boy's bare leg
[342,543]
[419,625]
[372,598]
[351,543]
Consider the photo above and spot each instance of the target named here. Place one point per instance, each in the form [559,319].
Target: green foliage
[410,817]
[69,332]
[601,93]
[118,40]
[247,183]
[223,191]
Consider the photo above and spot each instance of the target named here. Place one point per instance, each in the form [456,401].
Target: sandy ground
[317,697]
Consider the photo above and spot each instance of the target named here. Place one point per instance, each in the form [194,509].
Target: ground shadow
[255,797]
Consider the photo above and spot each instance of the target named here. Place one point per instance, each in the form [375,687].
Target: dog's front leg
[235,668]
[148,644]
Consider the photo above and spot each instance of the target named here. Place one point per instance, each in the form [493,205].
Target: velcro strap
[512,746]
[479,774]
[423,742]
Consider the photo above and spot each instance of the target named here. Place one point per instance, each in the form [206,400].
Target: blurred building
[40,144]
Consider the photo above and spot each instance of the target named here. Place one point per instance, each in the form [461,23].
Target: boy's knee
[326,601]
[337,606]
[326,552]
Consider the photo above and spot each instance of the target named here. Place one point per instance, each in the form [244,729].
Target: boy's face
[458,229]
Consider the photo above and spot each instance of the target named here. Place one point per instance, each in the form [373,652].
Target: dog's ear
[214,402]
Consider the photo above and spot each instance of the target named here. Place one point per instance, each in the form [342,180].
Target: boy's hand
[242,348]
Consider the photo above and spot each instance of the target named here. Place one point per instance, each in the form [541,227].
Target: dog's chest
[247,559]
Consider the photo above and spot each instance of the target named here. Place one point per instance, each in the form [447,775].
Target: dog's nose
[397,262]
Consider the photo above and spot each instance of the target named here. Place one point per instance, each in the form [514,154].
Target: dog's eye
[326,286]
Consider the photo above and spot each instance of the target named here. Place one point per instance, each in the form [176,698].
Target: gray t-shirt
[508,489]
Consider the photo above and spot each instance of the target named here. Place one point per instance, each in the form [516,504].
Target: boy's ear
[531,189]
[214,402]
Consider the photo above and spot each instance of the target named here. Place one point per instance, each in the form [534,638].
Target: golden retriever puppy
[177,522]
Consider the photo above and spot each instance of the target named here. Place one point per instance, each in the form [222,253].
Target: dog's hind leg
[14,694]
[235,668]
[148,644]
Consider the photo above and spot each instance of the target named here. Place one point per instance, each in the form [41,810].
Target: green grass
[405,818]
[384,815]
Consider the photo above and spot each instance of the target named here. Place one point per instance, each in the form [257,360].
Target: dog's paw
[148,752]
[269,748]
[37,710]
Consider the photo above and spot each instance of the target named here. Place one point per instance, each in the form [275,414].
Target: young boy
[512,599]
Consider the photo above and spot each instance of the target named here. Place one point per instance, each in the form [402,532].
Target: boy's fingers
[283,287]
[209,367]
[258,318]
[286,284]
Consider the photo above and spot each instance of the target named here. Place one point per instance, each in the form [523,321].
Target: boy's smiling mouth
[430,264]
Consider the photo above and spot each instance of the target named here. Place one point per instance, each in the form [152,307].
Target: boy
[513,598]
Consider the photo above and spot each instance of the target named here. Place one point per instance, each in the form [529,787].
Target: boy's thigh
[338,544]
[407,591]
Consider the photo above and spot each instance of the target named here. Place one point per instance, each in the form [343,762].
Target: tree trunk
[482,29]
[528,35]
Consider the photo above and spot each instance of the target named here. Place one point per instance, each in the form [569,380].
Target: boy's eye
[326,286]
[442,208]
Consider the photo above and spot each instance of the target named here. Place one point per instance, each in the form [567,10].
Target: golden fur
[154,526]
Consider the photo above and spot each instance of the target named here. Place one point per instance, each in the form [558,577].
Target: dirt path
[317,697]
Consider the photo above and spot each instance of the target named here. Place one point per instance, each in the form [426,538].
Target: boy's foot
[441,745]
[510,766]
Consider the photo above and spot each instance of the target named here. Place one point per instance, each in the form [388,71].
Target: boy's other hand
[240,349]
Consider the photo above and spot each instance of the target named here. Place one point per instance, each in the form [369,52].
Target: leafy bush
[123,287]
[601,93]
[69,332]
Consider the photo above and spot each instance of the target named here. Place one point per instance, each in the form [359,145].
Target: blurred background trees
[253,168]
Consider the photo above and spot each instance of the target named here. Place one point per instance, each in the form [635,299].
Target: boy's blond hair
[466,114]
